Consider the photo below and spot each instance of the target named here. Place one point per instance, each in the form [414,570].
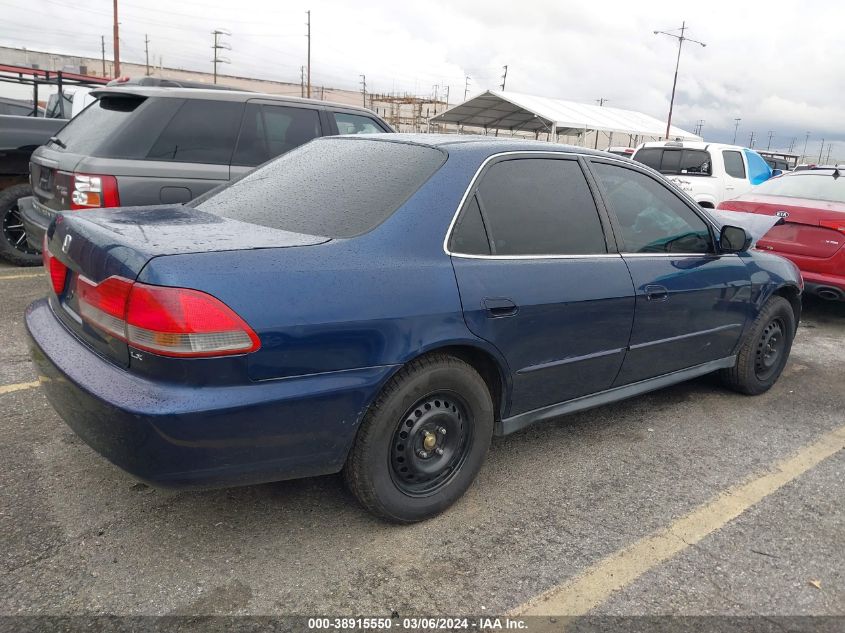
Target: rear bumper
[186,435]
[35,223]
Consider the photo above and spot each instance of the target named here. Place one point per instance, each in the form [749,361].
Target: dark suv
[143,145]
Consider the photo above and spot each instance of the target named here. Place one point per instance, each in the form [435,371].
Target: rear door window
[269,131]
[734,165]
[650,156]
[540,207]
[355,124]
[201,131]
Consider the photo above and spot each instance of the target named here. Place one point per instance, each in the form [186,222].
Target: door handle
[499,307]
[655,292]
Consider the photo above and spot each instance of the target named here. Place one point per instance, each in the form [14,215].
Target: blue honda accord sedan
[383,305]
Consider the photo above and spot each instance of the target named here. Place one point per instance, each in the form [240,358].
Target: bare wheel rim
[771,346]
[15,233]
[430,443]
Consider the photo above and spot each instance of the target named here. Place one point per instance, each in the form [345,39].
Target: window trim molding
[470,190]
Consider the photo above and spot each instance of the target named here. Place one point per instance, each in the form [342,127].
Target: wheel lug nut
[438,450]
[441,430]
[422,454]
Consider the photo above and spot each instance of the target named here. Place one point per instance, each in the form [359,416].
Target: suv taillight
[168,321]
[92,191]
[55,269]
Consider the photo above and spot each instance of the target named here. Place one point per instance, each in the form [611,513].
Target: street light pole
[736,127]
[681,39]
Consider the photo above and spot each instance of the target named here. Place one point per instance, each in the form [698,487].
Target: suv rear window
[202,131]
[96,124]
[330,187]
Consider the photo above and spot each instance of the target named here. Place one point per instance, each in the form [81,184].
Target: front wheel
[423,440]
[764,351]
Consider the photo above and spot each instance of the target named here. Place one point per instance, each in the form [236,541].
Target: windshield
[330,187]
[815,186]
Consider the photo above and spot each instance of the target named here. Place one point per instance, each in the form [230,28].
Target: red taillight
[167,321]
[92,191]
[56,269]
[836,225]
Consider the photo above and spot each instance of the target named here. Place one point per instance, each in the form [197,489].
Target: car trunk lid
[806,229]
[98,245]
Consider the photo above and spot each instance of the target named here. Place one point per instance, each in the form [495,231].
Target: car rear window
[815,186]
[95,124]
[330,187]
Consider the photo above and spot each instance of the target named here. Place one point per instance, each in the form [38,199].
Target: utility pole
[147,52]
[736,127]
[504,77]
[829,147]
[771,134]
[364,88]
[116,36]
[103,52]
[466,86]
[806,138]
[751,141]
[681,39]
[302,81]
[436,91]
[308,35]
[820,151]
[601,101]
[216,47]
[792,144]
[447,97]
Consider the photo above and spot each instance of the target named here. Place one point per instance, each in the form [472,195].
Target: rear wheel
[13,245]
[423,441]
[765,349]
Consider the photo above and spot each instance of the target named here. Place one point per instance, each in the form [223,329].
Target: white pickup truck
[708,172]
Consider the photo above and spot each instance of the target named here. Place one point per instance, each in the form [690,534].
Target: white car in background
[708,172]
[620,150]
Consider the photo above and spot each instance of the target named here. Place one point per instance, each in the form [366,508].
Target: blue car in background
[383,305]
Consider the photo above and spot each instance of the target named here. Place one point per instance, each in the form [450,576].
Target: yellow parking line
[592,587]
[26,276]
[18,387]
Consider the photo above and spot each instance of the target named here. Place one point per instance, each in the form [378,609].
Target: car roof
[475,143]
[215,95]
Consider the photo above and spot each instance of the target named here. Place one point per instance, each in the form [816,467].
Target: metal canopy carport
[515,112]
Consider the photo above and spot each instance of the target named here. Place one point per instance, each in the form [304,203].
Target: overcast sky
[777,65]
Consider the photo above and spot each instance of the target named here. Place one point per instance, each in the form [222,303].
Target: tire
[13,246]
[422,442]
[764,351]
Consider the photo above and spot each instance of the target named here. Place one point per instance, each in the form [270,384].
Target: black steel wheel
[764,350]
[14,247]
[770,346]
[430,444]
[423,440]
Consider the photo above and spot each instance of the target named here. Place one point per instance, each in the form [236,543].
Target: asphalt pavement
[552,505]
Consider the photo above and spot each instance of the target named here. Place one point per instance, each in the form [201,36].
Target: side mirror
[776,173]
[733,239]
